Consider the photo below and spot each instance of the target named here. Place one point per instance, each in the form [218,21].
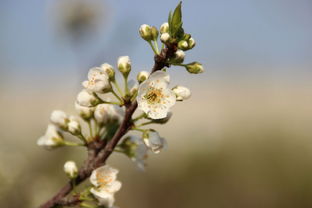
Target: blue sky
[235,37]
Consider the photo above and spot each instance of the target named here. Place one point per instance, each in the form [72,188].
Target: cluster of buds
[172,33]
[108,108]
[60,123]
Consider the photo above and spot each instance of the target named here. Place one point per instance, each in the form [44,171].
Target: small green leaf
[169,19]
[176,21]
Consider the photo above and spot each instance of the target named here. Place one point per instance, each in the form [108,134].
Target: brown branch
[99,151]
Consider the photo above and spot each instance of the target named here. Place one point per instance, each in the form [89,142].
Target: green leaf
[176,21]
[169,19]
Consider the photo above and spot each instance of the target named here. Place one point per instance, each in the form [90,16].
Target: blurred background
[243,140]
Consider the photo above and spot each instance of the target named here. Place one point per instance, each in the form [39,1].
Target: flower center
[153,95]
[103,179]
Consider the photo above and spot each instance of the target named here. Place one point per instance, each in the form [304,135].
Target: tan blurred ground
[233,145]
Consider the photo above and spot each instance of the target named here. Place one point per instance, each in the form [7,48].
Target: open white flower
[107,113]
[104,180]
[74,125]
[83,111]
[86,98]
[59,118]
[154,96]
[70,168]
[181,92]
[154,142]
[104,198]
[52,138]
[98,81]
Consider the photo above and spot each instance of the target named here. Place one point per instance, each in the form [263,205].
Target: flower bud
[153,141]
[87,98]
[179,56]
[85,112]
[146,32]
[142,76]
[52,138]
[165,37]
[194,68]
[109,70]
[60,119]
[191,43]
[124,65]
[183,45]
[106,113]
[74,126]
[164,28]
[134,90]
[71,170]
[154,33]
[181,92]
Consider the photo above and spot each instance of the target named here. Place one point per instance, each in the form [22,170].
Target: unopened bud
[182,93]
[164,28]
[194,68]
[142,76]
[154,33]
[124,65]
[146,32]
[134,90]
[87,98]
[109,70]
[179,56]
[85,112]
[165,37]
[60,119]
[183,45]
[191,43]
[74,126]
[71,170]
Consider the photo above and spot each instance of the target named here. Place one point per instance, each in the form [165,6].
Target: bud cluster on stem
[110,119]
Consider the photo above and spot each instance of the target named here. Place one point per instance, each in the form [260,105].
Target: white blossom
[104,198]
[107,113]
[52,138]
[70,168]
[154,142]
[181,92]
[154,96]
[83,111]
[86,98]
[74,125]
[98,81]
[124,64]
[106,185]
[59,118]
